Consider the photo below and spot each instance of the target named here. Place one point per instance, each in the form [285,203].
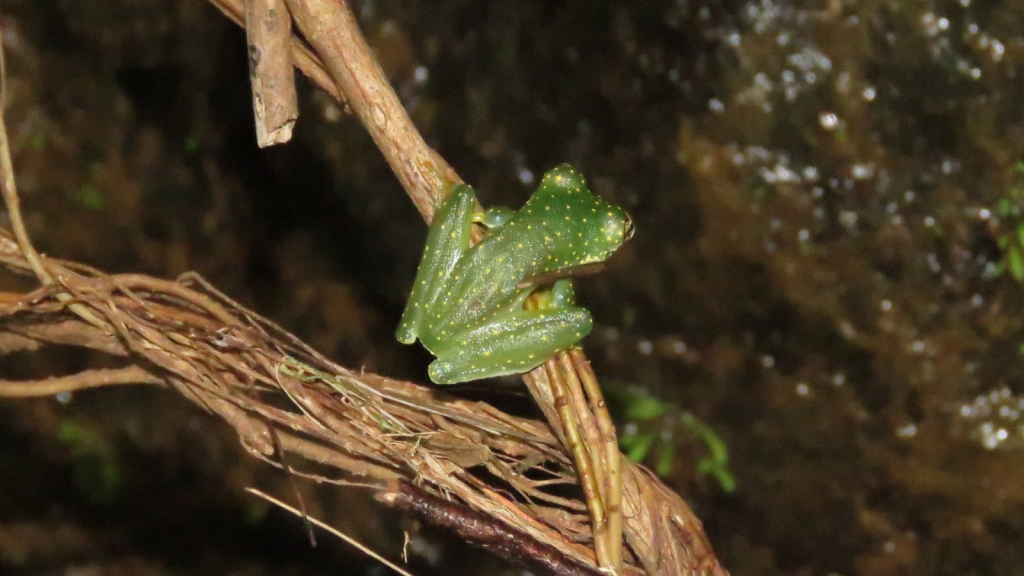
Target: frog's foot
[511,344]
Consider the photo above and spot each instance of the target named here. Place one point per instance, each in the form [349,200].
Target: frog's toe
[443,372]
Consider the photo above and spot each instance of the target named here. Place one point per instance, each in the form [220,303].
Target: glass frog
[466,304]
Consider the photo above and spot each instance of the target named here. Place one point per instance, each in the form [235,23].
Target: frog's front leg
[511,343]
[448,238]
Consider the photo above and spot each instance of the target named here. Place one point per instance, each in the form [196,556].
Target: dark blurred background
[825,282]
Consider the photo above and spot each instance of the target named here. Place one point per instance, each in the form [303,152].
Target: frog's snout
[627,229]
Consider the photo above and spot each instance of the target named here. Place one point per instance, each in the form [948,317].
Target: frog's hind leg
[448,238]
[515,342]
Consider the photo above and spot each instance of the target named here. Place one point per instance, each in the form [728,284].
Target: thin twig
[365,550]
[587,422]
[575,362]
[10,194]
[584,462]
[81,381]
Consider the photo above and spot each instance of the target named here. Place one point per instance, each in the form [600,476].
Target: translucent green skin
[467,302]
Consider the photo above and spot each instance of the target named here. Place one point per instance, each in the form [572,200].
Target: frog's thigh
[513,343]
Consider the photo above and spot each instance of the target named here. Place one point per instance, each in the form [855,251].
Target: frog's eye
[627,229]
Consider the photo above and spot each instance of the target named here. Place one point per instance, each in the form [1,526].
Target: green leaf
[98,477]
[643,407]
[666,456]
[717,461]
[256,512]
[90,198]
[1004,208]
[1016,263]
[640,446]
[94,467]
[721,473]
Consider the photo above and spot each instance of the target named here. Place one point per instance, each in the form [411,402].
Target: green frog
[467,301]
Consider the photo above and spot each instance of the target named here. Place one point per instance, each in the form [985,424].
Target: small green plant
[1012,241]
[90,197]
[95,469]
[653,427]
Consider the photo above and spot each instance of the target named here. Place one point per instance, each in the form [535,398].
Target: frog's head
[583,228]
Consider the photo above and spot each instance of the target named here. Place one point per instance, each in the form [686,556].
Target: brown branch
[246,370]
[483,531]
[330,27]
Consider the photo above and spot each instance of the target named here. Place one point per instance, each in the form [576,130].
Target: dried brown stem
[489,534]
[268,29]
[302,56]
